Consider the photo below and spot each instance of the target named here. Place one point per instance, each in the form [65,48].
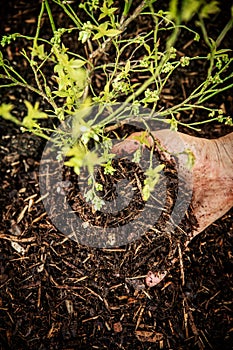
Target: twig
[31,88]
[181,265]
[17,239]
[106,45]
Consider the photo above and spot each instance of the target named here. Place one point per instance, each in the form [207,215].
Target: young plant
[70,90]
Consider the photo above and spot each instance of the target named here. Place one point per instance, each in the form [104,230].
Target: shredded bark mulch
[56,293]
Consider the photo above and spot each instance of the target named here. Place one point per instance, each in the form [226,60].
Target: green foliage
[191,159]
[209,9]
[152,178]
[5,112]
[189,8]
[102,30]
[7,39]
[143,139]
[30,121]
[82,157]
[107,10]
[70,90]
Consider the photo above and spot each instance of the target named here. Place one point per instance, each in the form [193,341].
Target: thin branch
[106,45]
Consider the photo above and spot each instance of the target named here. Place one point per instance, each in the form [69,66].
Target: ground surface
[57,294]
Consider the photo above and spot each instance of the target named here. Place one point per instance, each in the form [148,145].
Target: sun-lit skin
[212,172]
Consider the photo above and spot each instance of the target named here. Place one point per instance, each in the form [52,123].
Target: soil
[56,293]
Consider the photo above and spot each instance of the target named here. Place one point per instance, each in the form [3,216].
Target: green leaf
[209,9]
[33,114]
[106,11]
[78,75]
[173,8]
[5,112]
[151,180]
[38,50]
[108,168]
[189,8]
[142,139]
[191,159]
[82,157]
[98,186]
[113,32]
[102,29]
[173,123]
[147,47]
[61,93]
[127,67]
[77,154]
[77,63]
[222,51]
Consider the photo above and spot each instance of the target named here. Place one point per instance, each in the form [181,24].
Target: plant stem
[50,16]
[70,12]
[31,88]
[217,91]
[221,36]
[32,62]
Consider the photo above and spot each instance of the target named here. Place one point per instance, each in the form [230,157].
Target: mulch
[56,293]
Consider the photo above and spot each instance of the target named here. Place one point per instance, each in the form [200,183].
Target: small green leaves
[84,130]
[184,61]
[92,4]
[7,39]
[82,157]
[106,11]
[71,78]
[191,159]
[108,168]
[102,30]
[173,123]
[168,67]
[86,32]
[190,7]
[136,70]
[5,113]
[98,187]
[151,180]
[229,121]
[142,138]
[38,51]
[150,96]
[33,115]
[197,37]
[209,9]
[92,197]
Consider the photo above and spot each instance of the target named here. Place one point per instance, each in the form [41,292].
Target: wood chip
[16,246]
[21,215]
[117,327]
[148,336]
